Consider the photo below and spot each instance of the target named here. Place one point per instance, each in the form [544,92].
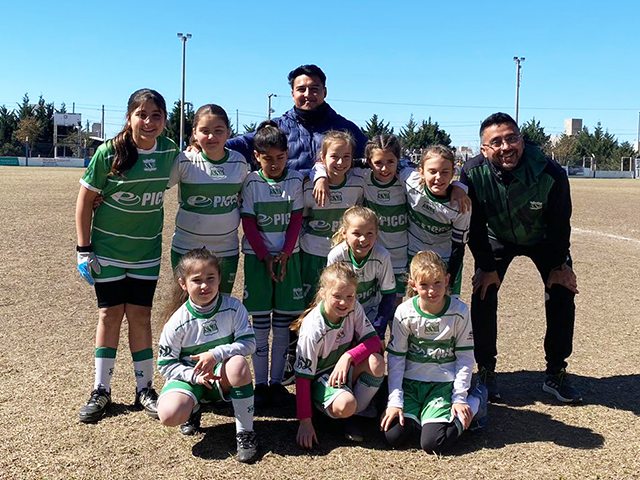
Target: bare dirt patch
[48,318]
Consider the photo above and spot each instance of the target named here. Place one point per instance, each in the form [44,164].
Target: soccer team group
[330,251]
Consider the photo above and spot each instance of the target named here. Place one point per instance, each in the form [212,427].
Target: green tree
[427,133]
[29,129]
[565,149]
[376,126]
[25,109]
[408,133]
[252,127]
[533,133]
[8,124]
[172,130]
[600,145]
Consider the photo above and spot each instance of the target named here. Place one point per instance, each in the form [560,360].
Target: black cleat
[147,400]
[96,407]
[247,443]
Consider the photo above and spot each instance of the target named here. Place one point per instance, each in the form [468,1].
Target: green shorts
[323,395]
[262,295]
[401,283]
[228,268]
[427,402]
[111,273]
[312,266]
[199,393]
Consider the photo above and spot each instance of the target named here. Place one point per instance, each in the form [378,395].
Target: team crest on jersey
[427,207]
[149,164]
[210,327]
[384,195]
[217,173]
[535,205]
[199,201]
[303,364]
[164,350]
[340,335]
[335,197]
[126,199]
[275,191]
[297,293]
[432,328]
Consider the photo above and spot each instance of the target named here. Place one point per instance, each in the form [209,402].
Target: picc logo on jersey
[264,220]
[149,165]
[126,199]
[320,225]
[199,201]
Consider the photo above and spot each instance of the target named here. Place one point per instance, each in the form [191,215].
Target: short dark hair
[310,71]
[498,118]
[268,135]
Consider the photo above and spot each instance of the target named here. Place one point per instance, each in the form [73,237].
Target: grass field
[48,317]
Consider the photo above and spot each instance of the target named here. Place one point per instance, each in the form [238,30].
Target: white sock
[365,389]
[279,346]
[242,401]
[260,359]
[143,368]
[474,404]
[105,362]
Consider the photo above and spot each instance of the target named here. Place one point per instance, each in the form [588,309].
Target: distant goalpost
[630,164]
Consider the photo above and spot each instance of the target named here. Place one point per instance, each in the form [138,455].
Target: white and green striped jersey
[222,328]
[374,272]
[127,227]
[271,203]
[389,202]
[320,223]
[430,348]
[321,343]
[433,222]
[208,192]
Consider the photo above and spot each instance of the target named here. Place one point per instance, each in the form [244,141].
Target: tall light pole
[270,111]
[518,61]
[184,39]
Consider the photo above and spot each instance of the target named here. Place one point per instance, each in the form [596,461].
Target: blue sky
[451,61]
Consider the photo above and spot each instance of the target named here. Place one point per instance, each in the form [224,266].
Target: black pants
[559,308]
[434,437]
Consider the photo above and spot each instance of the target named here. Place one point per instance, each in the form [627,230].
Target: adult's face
[502,144]
[308,92]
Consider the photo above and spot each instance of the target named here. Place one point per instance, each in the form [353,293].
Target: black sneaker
[96,407]
[192,425]
[261,396]
[352,430]
[560,386]
[488,378]
[147,400]
[280,396]
[247,443]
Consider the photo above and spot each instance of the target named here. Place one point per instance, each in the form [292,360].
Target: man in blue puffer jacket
[306,123]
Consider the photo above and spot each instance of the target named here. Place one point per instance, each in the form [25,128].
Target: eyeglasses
[496,143]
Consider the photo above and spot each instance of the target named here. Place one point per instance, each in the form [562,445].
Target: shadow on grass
[618,392]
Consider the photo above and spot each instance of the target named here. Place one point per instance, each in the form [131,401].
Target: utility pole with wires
[184,39]
[518,61]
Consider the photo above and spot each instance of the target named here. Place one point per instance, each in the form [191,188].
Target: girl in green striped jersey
[119,244]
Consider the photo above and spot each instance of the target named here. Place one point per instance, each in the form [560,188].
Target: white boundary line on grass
[609,235]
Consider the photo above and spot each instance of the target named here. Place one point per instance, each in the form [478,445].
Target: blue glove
[86,262]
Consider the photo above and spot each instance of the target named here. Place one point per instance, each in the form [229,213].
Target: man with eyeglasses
[521,206]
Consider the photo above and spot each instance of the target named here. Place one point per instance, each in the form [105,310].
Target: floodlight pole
[270,111]
[518,61]
[184,39]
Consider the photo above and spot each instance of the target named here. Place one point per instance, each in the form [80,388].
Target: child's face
[202,283]
[211,134]
[147,123]
[437,173]
[431,290]
[361,236]
[338,160]
[339,300]
[272,162]
[384,165]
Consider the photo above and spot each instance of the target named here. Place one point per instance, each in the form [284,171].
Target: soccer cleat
[261,396]
[192,425]
[247,443]
[488,378]
[352,430]
[96,407]
[289,376]
[147,400]
[560,386]
[480,419]
[280,396]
